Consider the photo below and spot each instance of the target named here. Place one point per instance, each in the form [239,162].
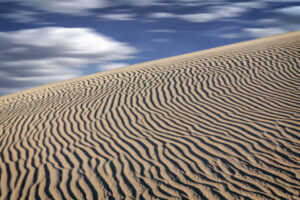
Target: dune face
[218,124]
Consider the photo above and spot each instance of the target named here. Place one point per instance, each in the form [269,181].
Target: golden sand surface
[222,123]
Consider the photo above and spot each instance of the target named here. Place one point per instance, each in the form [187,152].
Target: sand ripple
[217,124]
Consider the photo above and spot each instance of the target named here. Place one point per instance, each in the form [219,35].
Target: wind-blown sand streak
[222,123]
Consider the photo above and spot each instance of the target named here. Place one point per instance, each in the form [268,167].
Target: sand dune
[217,124]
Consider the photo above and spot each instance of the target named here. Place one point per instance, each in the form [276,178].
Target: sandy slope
[218,124]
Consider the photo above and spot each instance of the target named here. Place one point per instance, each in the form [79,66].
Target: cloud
[229,35]
[199,17]
[66,6]
[38,56]
[163,15]
[162,31]
[22,16]
[292,10]
[216,12]
[119,16]
[271,28]
[80,7]
[109,66]
[267,21]
[263,32]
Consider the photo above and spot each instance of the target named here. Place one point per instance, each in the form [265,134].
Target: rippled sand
[217,124]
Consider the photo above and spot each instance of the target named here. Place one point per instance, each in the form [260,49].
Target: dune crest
[217,124]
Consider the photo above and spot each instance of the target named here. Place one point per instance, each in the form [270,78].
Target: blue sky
[44,41]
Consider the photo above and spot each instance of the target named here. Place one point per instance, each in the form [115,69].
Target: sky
[45,41]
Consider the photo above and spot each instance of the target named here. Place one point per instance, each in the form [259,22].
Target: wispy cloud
[263,32]
[66,7]
[258,32]
[216,12]
[292,10]
[22,16]
[230,35]
[81,7]
[162,31]
[162,15]
[39,56]
[118,16]
[267,21]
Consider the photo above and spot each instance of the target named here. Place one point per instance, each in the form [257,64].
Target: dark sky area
[44,41]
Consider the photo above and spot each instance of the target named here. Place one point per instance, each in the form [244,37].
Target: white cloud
[230,35]
[65,6]
[162,31]
[84,6]
[267,21]
[250,4]
[22,16]
[119,16]
[39,56]
[263,32]
[79,7]
[273,28]
[292,10]
[109,66]
[216,12]
[162,15]
[199,17]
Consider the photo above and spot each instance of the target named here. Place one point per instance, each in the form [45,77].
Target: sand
[222,123]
